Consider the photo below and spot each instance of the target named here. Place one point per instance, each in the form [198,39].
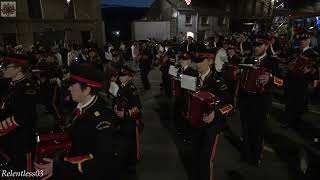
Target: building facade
[202,19]
[52,22]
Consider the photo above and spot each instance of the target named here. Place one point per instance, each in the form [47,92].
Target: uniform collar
[185,67]
[261,57]
[13,83]
[306,48]
[203,77]
[87,105]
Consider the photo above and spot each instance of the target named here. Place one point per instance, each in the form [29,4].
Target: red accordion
[230,72]
[176,87]
[249,81]
[298,65]
[201,104]
[49,143]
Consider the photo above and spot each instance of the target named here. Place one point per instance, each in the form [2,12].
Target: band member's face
[203,66]
[115,58]
[260,49]
[92,54]
[231,52]
[124,79]
[77,94]
[185,63]
[10,71]
[305,42]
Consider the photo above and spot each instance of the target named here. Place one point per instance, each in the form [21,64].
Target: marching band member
[296,86]
[128,112]
[93,155]
[255,103]
[18,113]
[230,69]
[181,100]
[205,139]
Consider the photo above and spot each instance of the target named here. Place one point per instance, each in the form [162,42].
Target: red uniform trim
[16,60]
[213,153]
[87,81]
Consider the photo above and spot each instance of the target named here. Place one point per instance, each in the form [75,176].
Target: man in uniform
[145,67]
[189,45]
[230,69]
[296,86]
[93,155]
[181,101]
[128,112]
[205,139]
[18,113]
[255,106]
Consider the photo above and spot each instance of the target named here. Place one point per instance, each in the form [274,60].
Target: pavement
[165,156]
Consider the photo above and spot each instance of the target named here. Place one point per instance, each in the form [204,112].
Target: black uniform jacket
[128,99]
[93,154]
[18,107]
[217,87]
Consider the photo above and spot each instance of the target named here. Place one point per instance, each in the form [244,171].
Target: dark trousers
[144,78]
[204,145]
[232,86]
[178,113]
[296,92]
[254,110]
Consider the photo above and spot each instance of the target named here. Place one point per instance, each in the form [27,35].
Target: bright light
[174,14]
[191,34]
[188,2]
[68,1]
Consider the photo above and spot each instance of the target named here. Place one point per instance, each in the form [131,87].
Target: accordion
[298,65]
[201,104]
[230,72]
[51,143]
[176,87]
[249,81]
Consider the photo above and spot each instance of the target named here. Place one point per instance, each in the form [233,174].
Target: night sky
[134,3]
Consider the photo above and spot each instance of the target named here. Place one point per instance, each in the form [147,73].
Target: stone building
[201,18]
[53,21]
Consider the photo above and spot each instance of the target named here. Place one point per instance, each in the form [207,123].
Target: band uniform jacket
[128,100]
[272,67]
[19,106]
[314,73]
[215,85]
[93,154]
[185,93]
[271,64]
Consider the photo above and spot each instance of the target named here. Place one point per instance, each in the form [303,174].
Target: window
[68,9]
[35,9]
[222,20]
[204,20]
[188,20]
